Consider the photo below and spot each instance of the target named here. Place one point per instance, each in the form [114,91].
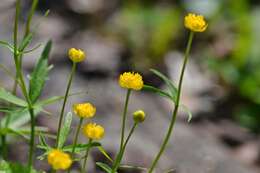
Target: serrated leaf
[9,97]
[40,74]
[156,90]
[186,109]
[103,151]
[80,147]
[65,129]
[168,82]
[104,167]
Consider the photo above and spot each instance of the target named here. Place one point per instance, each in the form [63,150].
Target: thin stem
[121,153]
[76,139]
[65,101]
[15,33]
[29,19]
[31,152]
[4,150]
[86,158]
[124,119]
[174,115]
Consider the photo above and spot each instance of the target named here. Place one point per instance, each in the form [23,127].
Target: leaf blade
[40,74]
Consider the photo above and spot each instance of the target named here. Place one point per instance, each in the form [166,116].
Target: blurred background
[221,88]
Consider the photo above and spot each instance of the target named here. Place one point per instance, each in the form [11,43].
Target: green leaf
[80,147]
[54,99]
[40,74]
[25,42]
[42,140]
[8,167]
[129,167]
[65,130]
[7,96]
[157,90]
[104,167]
[103,151]
[186,109]
[168,82]
[7,45]
[18,118]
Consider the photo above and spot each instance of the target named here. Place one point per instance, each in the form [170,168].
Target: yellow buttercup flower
[93,131]
[84,110]
[131,80]
[139,116]
[59,160]
[195,23]
[76,55]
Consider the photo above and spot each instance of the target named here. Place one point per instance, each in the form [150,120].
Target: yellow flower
[139,116]
[131,80]
[93,131]
[84,110]
[195,23]
[76,55]
[59,160]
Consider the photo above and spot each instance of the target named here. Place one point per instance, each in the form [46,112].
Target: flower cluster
[131,80]
[93,131]
[59,160]
[195,23]
[84,110]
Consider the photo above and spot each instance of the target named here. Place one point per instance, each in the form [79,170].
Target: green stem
[31,152]
[124,119]
[174,115]
[15,32]
[76,139]
[4,150]
[86,158]
[65,101]
[121,153]
[29,19]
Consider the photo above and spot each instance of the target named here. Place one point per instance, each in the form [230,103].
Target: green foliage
[65,129]
[104,167]
[10,98]
[8,167]
[104,152]
[171,94]
[40,74]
